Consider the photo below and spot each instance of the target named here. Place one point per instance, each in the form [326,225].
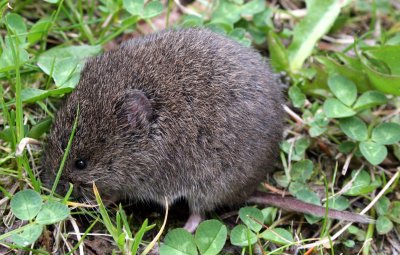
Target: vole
[184,113]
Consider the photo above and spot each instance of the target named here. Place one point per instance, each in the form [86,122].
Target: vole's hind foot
[193,222]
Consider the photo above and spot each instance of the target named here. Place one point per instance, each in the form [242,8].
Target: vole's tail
[293,204]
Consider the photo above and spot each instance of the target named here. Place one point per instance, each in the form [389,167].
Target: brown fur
[177,114]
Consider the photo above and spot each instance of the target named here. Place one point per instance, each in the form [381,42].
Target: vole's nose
[61,189]
[76,193]
[75,180]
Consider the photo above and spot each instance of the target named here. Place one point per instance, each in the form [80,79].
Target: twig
[294,115]
[347,163]
[273,189]
[78,235]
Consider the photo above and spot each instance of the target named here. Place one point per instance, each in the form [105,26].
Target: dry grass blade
[78,234]
[154,241]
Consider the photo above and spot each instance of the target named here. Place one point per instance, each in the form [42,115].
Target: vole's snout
[48,182]
[75,180]
[77,192]
[78,188]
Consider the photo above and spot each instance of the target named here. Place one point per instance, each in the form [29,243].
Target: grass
[342,129]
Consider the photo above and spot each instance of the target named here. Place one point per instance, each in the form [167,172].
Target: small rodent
[177,114]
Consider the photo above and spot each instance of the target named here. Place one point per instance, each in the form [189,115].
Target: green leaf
[319,19]
[375,153]
[134,7]
[346,147]
[382,206]
[211,237]
[7,58]
[386,133]
[295,187]
[349,243]
[281,178]
[30,95]
[138,237]
[278,236]
[396,151]
[17,26]
[352,71]
[269,215]
[220,27]
[319,124]
[52,212]
[381,81]
[253,7]
[65,69]
[359,233]
[278,54]
[26,204]
[38,30]
[344,89]
[362,179]
[152,9]
[252,217]
[66,63]
[191,21]
[353,62]
[354,128]
[242,236]
[239,34]
[226,12]
[40,128]
[297,97]
[301,146]
[308,196]
[263,20]
[383,225]
[6,134]
[28,236]
[333,108]
[338,203]
[362,184]
[302,170]
[394,212]
[370,99]
[178,242]
[316,130]
[388,54]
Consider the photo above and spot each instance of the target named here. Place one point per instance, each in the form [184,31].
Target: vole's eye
[80,164]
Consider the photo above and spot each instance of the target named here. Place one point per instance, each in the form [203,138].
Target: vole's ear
[133,109]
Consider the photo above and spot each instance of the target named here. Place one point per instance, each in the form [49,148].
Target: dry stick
[57,238]
[292,114]
[347,163]
[60,236]
[366,209]
[290,14]
[23,143]
[78,235]
[273,189]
